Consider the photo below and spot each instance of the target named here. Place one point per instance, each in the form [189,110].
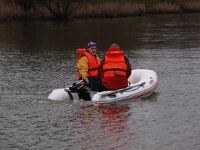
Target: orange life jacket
[114,64]
[93,62]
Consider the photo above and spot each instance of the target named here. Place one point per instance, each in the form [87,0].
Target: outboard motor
[77,90]
[81,89]
[78,87]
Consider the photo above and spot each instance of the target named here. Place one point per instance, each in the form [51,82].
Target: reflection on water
[114,117]
[106,121]
[37,57]
[162,31]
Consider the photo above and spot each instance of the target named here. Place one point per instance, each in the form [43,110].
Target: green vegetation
[69,9]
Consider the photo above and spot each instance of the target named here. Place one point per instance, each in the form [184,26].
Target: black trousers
[84,95]
[94,83]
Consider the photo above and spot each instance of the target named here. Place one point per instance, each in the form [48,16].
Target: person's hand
[86,81]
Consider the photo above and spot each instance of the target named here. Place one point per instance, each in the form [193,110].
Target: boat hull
[143,83]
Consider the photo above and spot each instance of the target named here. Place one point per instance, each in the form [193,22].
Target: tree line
[62,10]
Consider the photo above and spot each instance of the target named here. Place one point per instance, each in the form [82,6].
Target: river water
[37,57]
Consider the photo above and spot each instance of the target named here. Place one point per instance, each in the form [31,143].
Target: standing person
[115,69]
[88,66]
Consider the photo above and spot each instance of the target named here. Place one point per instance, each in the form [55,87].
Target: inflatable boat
[142,83]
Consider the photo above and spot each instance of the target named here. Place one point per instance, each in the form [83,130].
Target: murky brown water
[37,57]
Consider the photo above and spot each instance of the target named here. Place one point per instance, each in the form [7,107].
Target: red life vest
[114,64]
[114,70]
[93,62]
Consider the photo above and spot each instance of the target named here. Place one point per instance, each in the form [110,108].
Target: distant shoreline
[100,10]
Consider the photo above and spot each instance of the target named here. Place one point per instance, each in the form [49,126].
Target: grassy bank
[94,9]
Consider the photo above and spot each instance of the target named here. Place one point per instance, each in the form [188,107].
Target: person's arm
[101,69]
[128,67]
[82,66]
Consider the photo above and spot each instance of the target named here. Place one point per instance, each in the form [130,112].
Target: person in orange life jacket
[88,66]
[115,69]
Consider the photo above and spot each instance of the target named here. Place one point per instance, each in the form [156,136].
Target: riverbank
[14,11]
[117,9]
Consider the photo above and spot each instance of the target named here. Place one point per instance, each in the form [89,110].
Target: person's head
[92,48]
[114,45]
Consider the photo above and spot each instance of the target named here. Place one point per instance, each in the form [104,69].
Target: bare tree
[59,8]
[26,5]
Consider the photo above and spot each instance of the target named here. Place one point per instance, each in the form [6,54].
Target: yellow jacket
[82,66]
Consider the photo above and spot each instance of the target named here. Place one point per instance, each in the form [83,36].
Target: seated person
[88,66]
[115,69]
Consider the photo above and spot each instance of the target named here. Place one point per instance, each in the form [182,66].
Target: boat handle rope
[126,89]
